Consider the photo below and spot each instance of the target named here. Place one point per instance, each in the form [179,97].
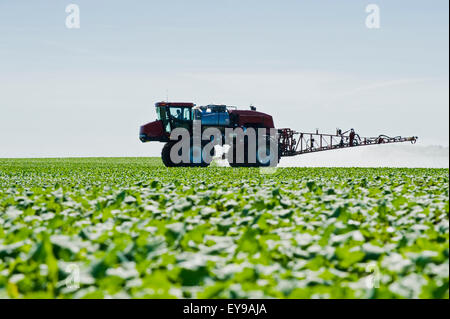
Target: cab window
[180,113]
[187,113]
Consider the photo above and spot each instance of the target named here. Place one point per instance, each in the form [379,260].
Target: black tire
[270,152]
[233,163]
[203,163]
[165,155]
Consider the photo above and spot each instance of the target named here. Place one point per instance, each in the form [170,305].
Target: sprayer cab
[170,115]
[174,115]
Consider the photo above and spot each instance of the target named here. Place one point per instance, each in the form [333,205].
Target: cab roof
[176,104]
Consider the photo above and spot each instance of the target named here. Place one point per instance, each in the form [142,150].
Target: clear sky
[311,64]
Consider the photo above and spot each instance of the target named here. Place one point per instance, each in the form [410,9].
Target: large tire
[165,154]
[233,161]
[259,160]
[264,160]
[198,152]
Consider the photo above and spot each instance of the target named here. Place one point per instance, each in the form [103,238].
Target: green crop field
[131,228]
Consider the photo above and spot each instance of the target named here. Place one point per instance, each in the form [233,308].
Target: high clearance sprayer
[190,134]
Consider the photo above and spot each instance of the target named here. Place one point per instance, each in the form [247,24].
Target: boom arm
[293,143]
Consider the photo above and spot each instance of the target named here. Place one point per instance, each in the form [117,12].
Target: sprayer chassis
[172,115]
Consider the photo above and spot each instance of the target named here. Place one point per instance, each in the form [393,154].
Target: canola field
[132,228]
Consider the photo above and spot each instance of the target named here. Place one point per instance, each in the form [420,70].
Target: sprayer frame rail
[292,143]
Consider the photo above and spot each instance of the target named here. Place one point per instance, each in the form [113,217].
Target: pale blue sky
[308,63]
